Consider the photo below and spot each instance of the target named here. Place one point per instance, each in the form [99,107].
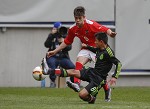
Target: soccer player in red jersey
[84,29]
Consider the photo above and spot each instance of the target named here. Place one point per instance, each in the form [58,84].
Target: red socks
[57,72]
[106,87]
[78,67]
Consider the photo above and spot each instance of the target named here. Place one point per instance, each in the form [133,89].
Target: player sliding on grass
[95,76]
[84,29]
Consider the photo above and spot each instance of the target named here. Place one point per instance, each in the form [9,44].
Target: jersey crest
[101,56]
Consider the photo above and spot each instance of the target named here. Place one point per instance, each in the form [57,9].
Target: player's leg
[106,87]
[96,82]
[73,86]
[82,59]
[108,95]
[86,93]
[83,76]
[89,93]
[94,86]
[86,96]
[78,67]
[51,63]
[44,65]
[69,73]
[62,73]
[107,90]
[66,63]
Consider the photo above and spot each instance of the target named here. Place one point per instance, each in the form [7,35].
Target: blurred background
[25,25]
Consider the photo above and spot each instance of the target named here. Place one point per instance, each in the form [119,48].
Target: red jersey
[85,33]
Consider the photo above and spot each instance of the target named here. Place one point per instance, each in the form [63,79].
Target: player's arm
[68,48]
[98,27]
[118,65]
[89,47]
[111,33]
[108,31]
[62,46]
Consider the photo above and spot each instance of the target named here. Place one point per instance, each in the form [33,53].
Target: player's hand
[113,34]
[50,53]
[112,81]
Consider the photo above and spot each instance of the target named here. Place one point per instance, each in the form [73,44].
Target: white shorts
[87,53]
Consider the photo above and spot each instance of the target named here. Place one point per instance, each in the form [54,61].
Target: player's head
[79,11]
[79,15]
[101,39]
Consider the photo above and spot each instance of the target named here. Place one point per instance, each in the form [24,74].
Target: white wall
[54,10]
[133,28]
[21,50]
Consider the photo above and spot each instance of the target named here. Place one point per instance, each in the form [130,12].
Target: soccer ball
[37,74]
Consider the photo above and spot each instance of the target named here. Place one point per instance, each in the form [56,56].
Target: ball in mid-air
[37,74]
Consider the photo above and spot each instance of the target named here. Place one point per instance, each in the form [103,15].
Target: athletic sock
[79,66]
[105,87]
[61,72]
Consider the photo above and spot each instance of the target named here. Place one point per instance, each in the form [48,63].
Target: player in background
[96,76]
[62,58]
[84,29]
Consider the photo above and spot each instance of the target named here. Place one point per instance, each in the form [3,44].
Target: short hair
[79,11]
[102,36]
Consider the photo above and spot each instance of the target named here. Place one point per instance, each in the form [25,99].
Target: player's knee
[74,73]
[82,95]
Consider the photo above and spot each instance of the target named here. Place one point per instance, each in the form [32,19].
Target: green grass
[46,98]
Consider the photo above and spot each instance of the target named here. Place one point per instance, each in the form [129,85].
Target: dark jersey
[104,61]
[52,43]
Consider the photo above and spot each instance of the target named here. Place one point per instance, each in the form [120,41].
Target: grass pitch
[65,98]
